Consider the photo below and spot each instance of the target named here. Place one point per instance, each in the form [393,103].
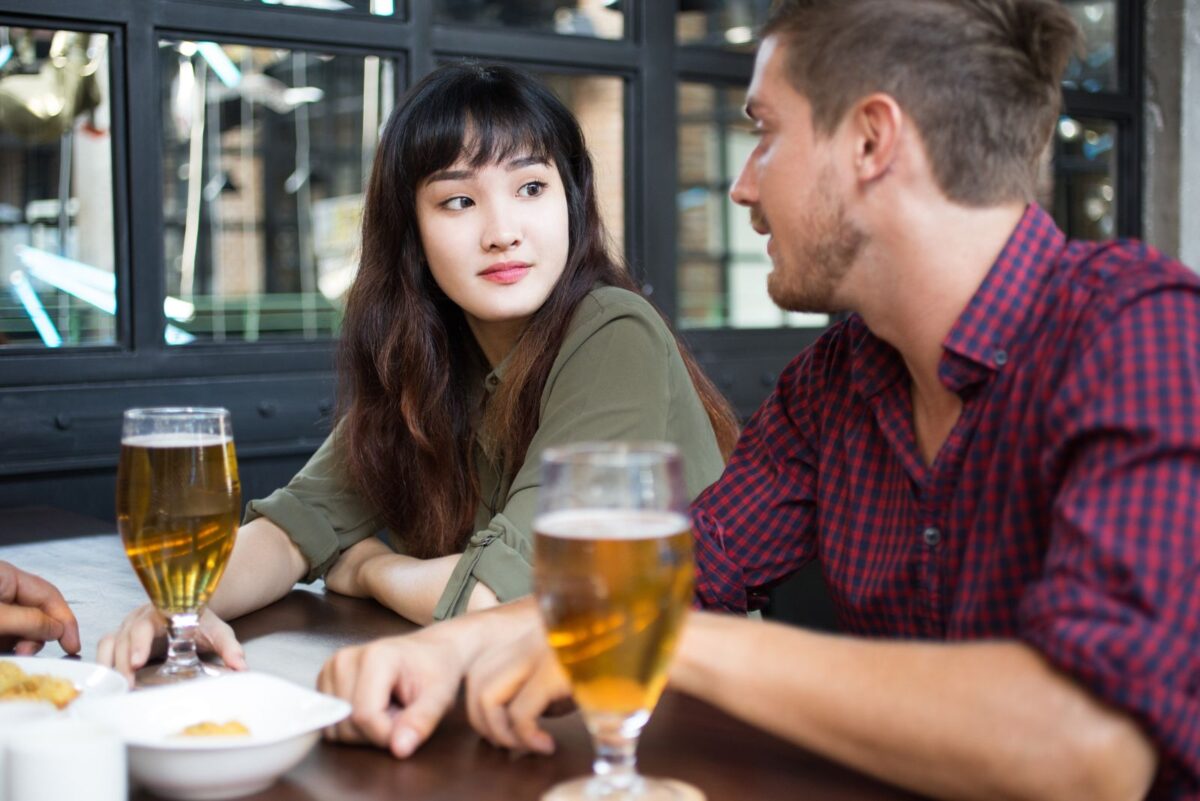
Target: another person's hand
[33,612]
[346,575]
[143,632]
[400,687]
[510,687]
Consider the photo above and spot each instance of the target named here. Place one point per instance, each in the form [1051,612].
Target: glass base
[173,674]
[644,789]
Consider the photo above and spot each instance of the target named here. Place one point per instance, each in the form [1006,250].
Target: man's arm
[982,720]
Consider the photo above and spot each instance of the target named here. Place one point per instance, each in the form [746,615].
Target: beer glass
[178,500]
[613,578]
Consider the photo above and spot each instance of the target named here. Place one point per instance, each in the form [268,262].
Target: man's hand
[33,612]
[143,632]
[346,575]
[510,687]
[400,688]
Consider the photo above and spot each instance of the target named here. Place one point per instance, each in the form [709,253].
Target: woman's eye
[457,203]
[533,189]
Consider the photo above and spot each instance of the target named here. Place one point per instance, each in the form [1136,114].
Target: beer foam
[610,524]
[176,440]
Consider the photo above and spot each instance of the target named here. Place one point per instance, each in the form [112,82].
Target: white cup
[15,716]
[62,758]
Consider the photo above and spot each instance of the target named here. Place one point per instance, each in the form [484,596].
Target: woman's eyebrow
[526,161]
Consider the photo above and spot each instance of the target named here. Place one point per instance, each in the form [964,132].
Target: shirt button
[1000,357]
[931,536]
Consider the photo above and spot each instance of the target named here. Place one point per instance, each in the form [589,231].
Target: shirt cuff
[309,530]
[493,556]
[720,583]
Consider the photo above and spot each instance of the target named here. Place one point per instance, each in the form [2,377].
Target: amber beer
[178,500]
[614,586]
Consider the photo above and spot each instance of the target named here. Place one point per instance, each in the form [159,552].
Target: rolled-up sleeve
[1118,604]
[321,514]
[610,381]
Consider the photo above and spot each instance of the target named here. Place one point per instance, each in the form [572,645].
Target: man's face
[791,186]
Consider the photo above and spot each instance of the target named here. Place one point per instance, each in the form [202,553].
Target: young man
[996,458]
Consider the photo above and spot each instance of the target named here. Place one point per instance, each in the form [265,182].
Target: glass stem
[181,641]
[616,759]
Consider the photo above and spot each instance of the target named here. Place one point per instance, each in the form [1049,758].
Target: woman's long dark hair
[408,359]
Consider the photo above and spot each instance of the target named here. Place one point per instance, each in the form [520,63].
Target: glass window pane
[1085,177]
[266,155]
[56,190]
[723,263]
[729,24]
[598,102]
[379,8]
[596,18]
[1096,71]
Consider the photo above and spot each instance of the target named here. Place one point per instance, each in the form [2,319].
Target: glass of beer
[613,575]
[178,502]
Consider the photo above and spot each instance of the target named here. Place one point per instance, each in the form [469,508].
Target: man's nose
[744,191]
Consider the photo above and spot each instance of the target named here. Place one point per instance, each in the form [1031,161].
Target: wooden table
[686,739]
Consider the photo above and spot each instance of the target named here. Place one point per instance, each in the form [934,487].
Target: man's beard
[815,273]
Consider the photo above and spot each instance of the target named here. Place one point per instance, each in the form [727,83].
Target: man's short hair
[981,78]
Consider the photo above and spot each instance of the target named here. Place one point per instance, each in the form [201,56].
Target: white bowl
[284,720]
[90,679]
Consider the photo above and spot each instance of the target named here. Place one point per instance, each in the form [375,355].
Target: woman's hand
[143,634]
[347,574]
[33,612]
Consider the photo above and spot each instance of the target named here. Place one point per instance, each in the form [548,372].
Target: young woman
[488,321]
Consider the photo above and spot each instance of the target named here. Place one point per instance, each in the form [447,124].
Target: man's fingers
[28,647]
[413,724]
[379,672]
[28,623]
[545,686]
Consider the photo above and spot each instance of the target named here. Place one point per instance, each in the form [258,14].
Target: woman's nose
[503,231]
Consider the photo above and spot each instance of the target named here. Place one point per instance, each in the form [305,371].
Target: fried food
[17,685]
[207,728]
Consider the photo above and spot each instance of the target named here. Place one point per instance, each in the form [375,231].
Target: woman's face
[496,240]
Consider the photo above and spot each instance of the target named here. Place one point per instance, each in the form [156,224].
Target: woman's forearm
[412,587]
[264,566]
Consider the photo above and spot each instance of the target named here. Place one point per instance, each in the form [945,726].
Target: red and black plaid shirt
[1063,509]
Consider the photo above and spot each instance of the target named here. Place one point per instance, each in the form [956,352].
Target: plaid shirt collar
[981,341]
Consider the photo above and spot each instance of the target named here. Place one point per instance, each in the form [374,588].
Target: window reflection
[1085,177]
[1096,70]
[729,24]
[57,284]
[723,264]
[266,155]
[601,19]
[379,8]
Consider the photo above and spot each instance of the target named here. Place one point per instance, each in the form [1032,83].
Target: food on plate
[207,728]
[17,685]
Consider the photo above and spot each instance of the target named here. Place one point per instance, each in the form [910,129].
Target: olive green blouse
[618,376]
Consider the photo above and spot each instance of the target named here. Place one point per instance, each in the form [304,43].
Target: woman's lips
[505,273]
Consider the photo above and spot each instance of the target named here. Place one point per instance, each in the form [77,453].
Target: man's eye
[533,189]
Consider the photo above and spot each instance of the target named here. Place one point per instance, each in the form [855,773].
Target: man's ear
[875,126]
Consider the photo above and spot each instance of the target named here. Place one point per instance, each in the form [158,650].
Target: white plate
[90,679]
[284,720]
